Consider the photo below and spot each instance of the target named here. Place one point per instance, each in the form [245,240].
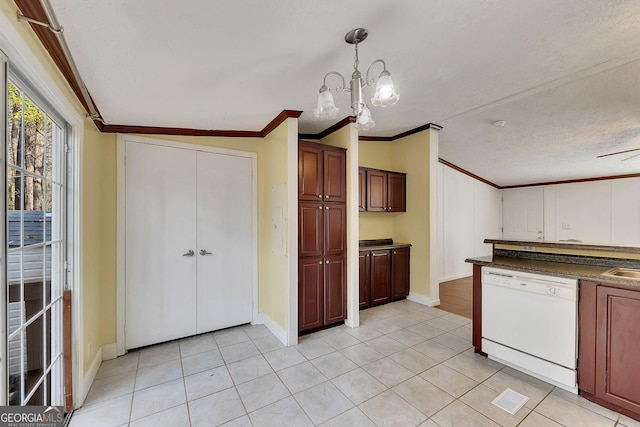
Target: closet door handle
[190,253]
[204,252]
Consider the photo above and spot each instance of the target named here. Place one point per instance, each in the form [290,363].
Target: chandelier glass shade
[384,95]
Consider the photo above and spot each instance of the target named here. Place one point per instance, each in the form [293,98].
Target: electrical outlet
[566,226]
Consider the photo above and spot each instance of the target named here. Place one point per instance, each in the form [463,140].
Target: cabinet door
[310,293]
[618,347]
[310,173]
[399,273]
[310,228]
[335,176]
[335,290]
[364,271]
[396,196]
[362,193]
[380,277]
[376,191]
[335,229]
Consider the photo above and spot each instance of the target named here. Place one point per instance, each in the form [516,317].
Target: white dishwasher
[529,322]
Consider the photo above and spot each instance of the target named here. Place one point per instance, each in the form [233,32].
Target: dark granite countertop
[560,269]
[379,244]
[565,245]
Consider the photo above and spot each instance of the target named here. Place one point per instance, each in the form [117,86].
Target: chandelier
[384,95]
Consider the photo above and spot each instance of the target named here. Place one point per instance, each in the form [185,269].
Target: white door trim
[121,221]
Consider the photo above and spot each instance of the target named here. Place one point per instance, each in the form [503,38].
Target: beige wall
[98,241]
[409,155]
[273,269]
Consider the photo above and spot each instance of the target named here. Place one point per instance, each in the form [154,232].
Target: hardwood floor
[456,296]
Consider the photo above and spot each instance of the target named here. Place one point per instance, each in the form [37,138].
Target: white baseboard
[454,277]
[87,379]
[424,300]
[109,351]
[281,334]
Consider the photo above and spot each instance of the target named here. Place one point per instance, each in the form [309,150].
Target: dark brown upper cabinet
[396,192]
[362,193]
[376,191]
[322,173]
[384,191]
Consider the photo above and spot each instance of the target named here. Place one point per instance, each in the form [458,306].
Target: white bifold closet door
[189,234]
[224,222]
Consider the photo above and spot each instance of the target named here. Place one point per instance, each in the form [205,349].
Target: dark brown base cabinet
[384,276]
[609,346]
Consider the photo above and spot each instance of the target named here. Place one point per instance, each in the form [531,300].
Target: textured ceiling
[564,75]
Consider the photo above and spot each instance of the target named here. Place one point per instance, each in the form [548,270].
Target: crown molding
[466,172]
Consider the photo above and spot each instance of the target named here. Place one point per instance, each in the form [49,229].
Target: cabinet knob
[319,207]
[326,196]
[395,252]
[319,262]
[319,196]
[326,207]
[326,262]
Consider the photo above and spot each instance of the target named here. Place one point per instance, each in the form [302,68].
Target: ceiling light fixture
[499,123]
[384,95]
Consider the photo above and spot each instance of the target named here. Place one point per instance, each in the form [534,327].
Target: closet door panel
[224,241]
[160,228]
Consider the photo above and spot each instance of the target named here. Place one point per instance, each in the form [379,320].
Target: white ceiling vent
[510,401]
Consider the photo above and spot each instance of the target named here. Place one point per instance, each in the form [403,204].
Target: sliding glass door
[35,248]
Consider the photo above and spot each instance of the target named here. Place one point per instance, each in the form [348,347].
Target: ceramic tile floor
[406,365]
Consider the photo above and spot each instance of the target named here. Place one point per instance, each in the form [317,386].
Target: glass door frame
[50,381]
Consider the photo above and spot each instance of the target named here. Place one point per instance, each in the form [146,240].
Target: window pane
[14,126]
[38,397]
[35,353]
[33,265]
[14,276]
[34,137]
[14,208]
[16,346]
[33,218]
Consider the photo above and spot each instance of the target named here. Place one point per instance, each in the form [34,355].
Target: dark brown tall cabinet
[322,235]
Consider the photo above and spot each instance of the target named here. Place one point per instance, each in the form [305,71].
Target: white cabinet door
[523,213]
[224,241]
[160,229]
